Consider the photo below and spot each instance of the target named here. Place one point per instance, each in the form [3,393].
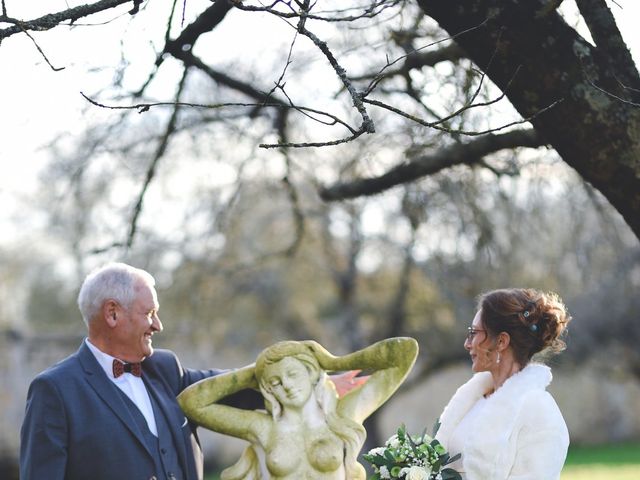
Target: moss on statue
[306,431]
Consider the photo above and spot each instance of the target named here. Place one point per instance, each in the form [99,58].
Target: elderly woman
[503,421]
[307,430]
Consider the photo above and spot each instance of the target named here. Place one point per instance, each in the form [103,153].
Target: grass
[601,472]
[617,454]
[619,462]
[605,462]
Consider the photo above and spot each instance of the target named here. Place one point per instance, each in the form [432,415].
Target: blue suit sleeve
[43,437]
[180,378]
[170,368]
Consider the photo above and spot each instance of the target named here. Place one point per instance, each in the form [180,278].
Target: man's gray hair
[115,281]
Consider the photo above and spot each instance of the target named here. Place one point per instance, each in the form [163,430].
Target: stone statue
[307,431]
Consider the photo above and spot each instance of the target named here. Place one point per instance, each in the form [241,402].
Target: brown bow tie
[119,368]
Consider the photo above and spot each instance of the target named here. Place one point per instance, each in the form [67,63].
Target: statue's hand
[344,382]
[313,346]
[347,381]
[325,359]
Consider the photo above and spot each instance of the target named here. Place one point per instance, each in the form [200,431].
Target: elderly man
[109,411]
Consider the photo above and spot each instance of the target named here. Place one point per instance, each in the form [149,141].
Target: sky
[38,103]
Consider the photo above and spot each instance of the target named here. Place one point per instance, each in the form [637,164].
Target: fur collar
[485,446]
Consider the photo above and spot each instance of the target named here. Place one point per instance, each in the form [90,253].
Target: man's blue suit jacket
[77,426]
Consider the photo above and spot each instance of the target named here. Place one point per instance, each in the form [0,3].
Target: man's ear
[110,312]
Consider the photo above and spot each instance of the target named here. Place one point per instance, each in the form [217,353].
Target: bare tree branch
[191,60]
[333,16]
[327,143]
[55,69]
[356,97]
[160,151]
[616,97]
[610,43]
[551,6]
[145,106]
[587,130]
[457,154]
[52,20]
[207,21]
[292,192]
[415,60]
[470,133]
[397,309]
[296,211]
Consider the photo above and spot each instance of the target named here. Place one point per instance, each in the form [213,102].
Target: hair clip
[526,313]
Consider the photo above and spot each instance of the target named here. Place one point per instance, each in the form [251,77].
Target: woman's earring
[498,359]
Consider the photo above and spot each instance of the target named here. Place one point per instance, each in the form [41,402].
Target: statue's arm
[388,361]
[200,403]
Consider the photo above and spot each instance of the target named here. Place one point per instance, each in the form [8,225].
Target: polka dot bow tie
[119,368]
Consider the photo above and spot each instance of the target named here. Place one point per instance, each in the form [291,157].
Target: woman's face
[479,346]
[289,381]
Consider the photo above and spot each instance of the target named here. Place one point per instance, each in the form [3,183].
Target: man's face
[137,324]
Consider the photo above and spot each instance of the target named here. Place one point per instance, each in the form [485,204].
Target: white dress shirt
[132,386]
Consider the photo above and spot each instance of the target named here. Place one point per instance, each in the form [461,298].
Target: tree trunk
[531,53]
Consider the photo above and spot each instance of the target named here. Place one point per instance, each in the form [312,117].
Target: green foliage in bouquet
[411,458]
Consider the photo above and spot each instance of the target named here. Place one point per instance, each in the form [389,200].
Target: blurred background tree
[179,175]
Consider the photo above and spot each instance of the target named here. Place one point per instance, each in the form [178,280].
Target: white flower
[420,452]
[418,473]
[377,451]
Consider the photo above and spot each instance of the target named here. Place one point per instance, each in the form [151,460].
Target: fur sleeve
[542,441]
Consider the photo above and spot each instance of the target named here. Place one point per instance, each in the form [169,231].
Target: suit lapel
[106,390]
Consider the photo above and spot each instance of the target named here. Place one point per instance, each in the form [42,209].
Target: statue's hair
[246,468]
[274,354]
[349,431]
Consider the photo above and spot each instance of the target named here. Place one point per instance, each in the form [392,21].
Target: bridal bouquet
[411,458]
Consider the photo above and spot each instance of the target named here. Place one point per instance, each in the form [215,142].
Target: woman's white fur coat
[520,436]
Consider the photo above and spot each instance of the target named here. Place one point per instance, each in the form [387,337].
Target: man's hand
[347,381]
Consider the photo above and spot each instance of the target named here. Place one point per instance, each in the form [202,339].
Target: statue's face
[289,381]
